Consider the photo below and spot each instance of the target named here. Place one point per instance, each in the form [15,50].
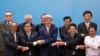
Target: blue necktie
[28,35]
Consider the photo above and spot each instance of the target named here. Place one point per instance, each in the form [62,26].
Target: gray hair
[28,15]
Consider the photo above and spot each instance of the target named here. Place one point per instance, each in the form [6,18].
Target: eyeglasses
[8,15]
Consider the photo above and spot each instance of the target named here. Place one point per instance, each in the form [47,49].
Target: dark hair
[67,17]
[73,24]
[87,12]
[91,28]
[43,14]
[27,23]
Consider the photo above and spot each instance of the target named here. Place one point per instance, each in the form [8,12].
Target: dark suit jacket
[38,27]
[82,29]
[47,49]
[3,28]
[71,44]
[1,39]
[11,46]
[63,31]
[25,41]
[21,27]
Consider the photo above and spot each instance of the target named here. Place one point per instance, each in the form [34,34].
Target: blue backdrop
[57,8]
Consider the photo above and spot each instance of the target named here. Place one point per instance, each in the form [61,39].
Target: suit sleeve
[27,43]
[74,42]
[79,29]
[62,33]
[9,43]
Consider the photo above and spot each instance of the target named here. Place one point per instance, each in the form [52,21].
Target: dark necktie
[8,24]
[14,35]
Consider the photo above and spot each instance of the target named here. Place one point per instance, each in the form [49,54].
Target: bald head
[13,27]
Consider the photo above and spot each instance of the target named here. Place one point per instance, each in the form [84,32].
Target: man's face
[28,19]
[67,22]
[72,30]
[48,21]
[8,16]
[13,27]
[27,27]
[92,32]
[43,19]
[87,17]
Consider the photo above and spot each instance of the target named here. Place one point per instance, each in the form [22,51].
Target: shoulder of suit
[93,23]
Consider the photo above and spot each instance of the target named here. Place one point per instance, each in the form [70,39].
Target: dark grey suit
[3,28]
[11,47]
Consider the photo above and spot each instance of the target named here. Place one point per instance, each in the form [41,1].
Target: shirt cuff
[34,43]
[27,48]
[65,43]
[76,47]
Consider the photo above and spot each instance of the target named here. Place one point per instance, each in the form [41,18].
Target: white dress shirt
[87,24]
[93,43]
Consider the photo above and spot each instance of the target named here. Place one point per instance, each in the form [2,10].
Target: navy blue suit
[11,47]
[47,49]
[26,41]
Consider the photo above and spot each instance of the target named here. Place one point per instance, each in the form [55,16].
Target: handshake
[59,42]
[38,42]
[23,48]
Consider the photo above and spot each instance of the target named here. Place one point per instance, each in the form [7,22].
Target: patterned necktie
[48,28]
[28,34]
[8,23]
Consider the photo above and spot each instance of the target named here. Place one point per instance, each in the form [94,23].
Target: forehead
[91,29]
[8,13]
[67,20]
[13,24]
[87,14]
[72,27]
[48,18]
[27,24]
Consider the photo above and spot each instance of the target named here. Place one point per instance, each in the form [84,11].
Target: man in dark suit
[83,31]
[11,40]
[63,30]
[71,41]
[29,39]
[48,35]
[1,41]
[39,26]
[28,18]
[4,26]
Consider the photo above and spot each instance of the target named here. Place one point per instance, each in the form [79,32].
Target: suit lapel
[5,25]
[11,36]
[84,27]
[17,36]
[26,36]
